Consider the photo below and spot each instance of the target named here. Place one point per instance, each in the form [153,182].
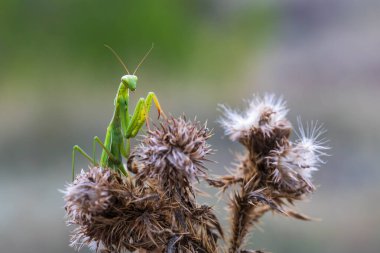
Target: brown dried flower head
[262,117]
[279,163]
[92,193]
[173,154]
[292,165]
[112,215]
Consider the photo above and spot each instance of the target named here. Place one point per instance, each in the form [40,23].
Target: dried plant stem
[244,216]
[247,206]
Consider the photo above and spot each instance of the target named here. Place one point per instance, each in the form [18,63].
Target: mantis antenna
[143,59]
[117,57]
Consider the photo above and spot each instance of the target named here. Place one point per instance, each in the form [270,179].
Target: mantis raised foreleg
[141,114]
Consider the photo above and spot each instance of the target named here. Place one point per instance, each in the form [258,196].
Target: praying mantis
[123,125]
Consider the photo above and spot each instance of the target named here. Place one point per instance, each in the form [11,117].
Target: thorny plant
[155,208]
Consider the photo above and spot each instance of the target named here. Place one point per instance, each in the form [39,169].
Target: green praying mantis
[123,125]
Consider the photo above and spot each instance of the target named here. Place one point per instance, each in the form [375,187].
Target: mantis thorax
[130,81]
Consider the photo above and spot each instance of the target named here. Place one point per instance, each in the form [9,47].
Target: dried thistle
[173,156]
[274,171]
[170,158]
[114,215]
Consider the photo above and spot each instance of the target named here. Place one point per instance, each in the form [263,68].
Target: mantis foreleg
[141,114]
[137,119]
[148,101]
[126,148]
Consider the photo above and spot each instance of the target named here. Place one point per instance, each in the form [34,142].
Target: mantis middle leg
[82,152]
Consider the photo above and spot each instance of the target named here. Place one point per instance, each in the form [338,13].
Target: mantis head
[130,81]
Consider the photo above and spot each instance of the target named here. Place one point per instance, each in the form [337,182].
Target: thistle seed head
[262,116]
[91,194]
[272,159]
[293,164]
[173,154]
[113,215]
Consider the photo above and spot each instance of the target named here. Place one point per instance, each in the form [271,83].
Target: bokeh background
[57,84]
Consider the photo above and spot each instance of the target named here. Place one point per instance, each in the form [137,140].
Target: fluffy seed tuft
[262,115]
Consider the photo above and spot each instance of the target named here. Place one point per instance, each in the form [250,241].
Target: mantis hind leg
[82,152]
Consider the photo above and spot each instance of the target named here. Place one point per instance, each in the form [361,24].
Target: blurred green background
[58,81]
